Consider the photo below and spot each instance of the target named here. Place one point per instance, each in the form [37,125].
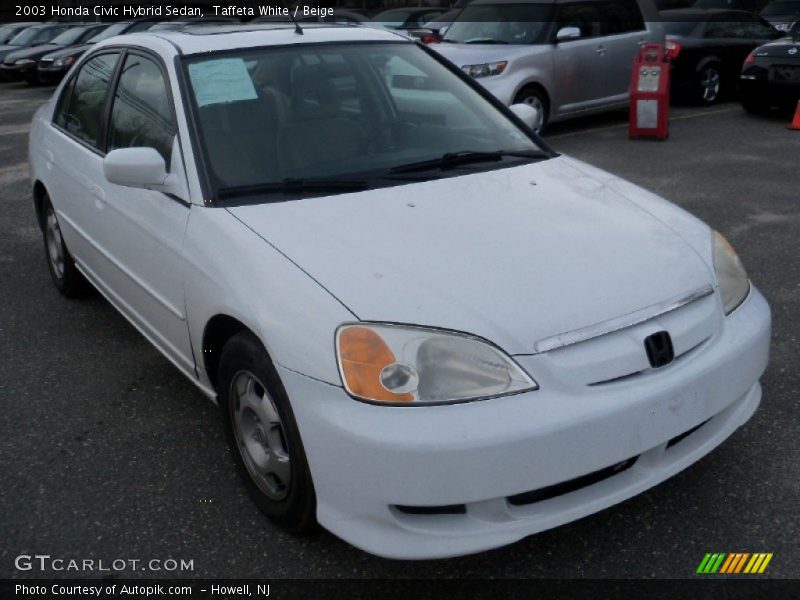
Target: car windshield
[341,113]
[69,37]
[791,7]
[7,32]
[501,24]
[25,37]
[108,32]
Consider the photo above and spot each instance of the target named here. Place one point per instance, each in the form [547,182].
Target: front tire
[756,105]
[535,97]
[709,82]
[263,435]
[65,275]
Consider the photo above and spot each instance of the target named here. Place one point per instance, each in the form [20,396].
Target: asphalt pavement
[107,452]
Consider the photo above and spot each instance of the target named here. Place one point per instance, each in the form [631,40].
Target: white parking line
[692,115]
[13,173]
[14,129]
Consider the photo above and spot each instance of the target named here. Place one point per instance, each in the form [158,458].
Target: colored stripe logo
[733,563]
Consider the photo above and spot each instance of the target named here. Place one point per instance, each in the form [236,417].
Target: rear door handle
[600,50]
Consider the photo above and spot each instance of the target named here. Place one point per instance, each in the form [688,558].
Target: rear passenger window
[141,115]
[80,111]
[621,16]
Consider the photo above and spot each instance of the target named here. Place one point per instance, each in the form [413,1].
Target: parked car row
[571,58]
[565,58]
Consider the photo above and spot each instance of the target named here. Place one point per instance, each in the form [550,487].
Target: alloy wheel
[55,245]
[259,435]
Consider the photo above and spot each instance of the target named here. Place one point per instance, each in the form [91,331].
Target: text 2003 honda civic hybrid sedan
[424,328]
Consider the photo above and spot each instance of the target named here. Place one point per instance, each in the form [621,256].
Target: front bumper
[477,468]
[51,74]
[773,92]
[17,72]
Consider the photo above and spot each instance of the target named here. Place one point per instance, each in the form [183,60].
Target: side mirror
[568,33]
[528,115]
[136,167]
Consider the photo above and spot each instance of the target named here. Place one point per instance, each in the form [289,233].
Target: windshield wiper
[485,41]
[457,159]
[292,185]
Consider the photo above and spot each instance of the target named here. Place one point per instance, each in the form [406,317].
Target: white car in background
[567,58]
[425,329]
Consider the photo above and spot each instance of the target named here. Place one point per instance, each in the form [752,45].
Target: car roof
[686,14]
[215,38]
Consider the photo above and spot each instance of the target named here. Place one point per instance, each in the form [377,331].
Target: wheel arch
[708,61]
[533,84]
[218,330]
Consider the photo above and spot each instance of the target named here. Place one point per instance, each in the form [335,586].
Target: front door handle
[98,192]
[600,50]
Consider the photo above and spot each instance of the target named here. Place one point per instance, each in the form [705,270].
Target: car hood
[788,18]
[6,50]
[34,52]
[475,54]
[512,255]
[70,51]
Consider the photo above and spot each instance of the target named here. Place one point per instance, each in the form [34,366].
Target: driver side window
[141,115]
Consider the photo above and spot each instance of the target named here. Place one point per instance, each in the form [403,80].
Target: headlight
[415,365]
[24,61]
[64,62]
[485,69]
[731,275]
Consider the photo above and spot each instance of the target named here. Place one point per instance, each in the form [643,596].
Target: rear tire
[263,435]
[709,82]
[65,275]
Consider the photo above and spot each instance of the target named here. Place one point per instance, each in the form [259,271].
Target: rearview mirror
[136,167]
[527,114]
[568,33]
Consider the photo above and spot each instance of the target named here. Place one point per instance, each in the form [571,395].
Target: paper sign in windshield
[221,80]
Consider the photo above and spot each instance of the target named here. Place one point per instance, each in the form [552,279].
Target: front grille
[448,509]
[684,435]
[573,485]
[785,73]
[46,62]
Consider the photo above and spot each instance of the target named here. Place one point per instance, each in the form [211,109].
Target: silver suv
[566,58]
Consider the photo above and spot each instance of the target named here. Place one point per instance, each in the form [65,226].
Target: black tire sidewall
[296,512]
[72,284]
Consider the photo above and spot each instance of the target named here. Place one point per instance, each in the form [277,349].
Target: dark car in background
[711,46]
[406,18]
[782,13]
[53,66]
[771,76]
[35,35]
[752,6]
[9,30]
[21,64]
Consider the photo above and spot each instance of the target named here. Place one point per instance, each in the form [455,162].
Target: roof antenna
[297,29]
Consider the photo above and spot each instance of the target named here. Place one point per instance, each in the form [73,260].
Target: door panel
[578,64]
[76,133]
[143,231]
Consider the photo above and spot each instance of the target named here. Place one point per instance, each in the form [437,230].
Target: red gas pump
[649,108]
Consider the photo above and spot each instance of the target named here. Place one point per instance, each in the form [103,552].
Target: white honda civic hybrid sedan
[425,330]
